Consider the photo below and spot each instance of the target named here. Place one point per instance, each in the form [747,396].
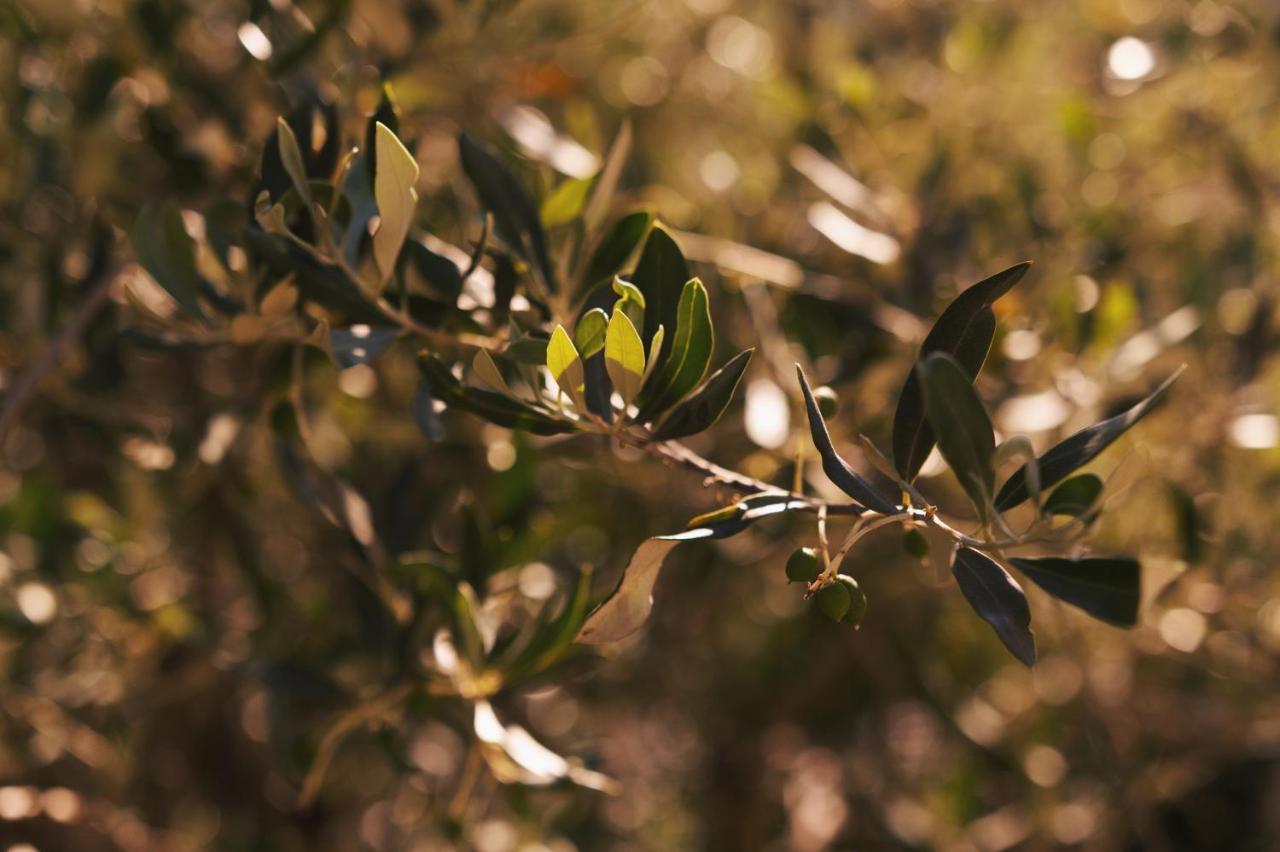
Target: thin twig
[367,713]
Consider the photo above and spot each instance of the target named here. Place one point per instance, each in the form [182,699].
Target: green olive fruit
[857,601]
[803,566]
[827,401]
[915,544]
[833,600]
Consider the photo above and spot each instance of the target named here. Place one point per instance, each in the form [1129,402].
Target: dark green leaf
[964,431]
[704,408]
[167,252]
[1074,496]
[615,249]
[660,275]
[387,114]
[493,407]
[1106,587]
[689,356]
[437,271]
[835,467]
[998,600]
[1080,448]
[964,331]
[515,216]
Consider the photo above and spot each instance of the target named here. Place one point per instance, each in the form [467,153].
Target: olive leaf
[998,599]
[393,189]
[488,374]
[566,366]
[702,409]
[689,355]
[660,275]
[624,357]
[1074,496]
[1107,587]
[615,249]
[589,333]
[163,248]
[491,406]
[630,302]
[836,468]
[291,157]
[962,426]
[628,606]
[514,214]
[565,202]
[1080,448]
[964,330]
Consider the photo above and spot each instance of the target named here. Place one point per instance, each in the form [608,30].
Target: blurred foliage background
[179,629]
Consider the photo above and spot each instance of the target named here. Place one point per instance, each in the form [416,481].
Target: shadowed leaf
[1107,587]
[704,408]
[962,426]
[964,331]
[998,600]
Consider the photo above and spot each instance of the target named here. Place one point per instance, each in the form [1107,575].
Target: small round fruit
[803,565]
[857,602]
[833,600]
[915,544]
[827,401]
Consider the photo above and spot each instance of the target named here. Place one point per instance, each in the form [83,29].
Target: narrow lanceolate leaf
[1107,587]
[651,362]
[493,407]
[163,247]
[617,247]
[291,157]
[565,365]
[964,331]
[660,275]
[835,467]
[1080,448]
[629,605]
[962,426]
[487,373]
[624,357]
[689,356]
[607,179]
[514,214]
[704,408]
[393,189]
[998,600]
[1074,496]
[589,333]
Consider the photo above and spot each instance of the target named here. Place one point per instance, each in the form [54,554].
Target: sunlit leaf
[964,331]
[689,355]
[393,188]
[565,365]
[589,333]
[565,203]
[964,431]
[703,408]
[1080,448]
[998,599]
[624,357]
[1107,587]
[836,468]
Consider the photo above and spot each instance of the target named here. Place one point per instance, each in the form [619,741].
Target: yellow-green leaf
[565,202]
[655,347]
[590,332]
[393,190]
[566,366]
[624,356]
